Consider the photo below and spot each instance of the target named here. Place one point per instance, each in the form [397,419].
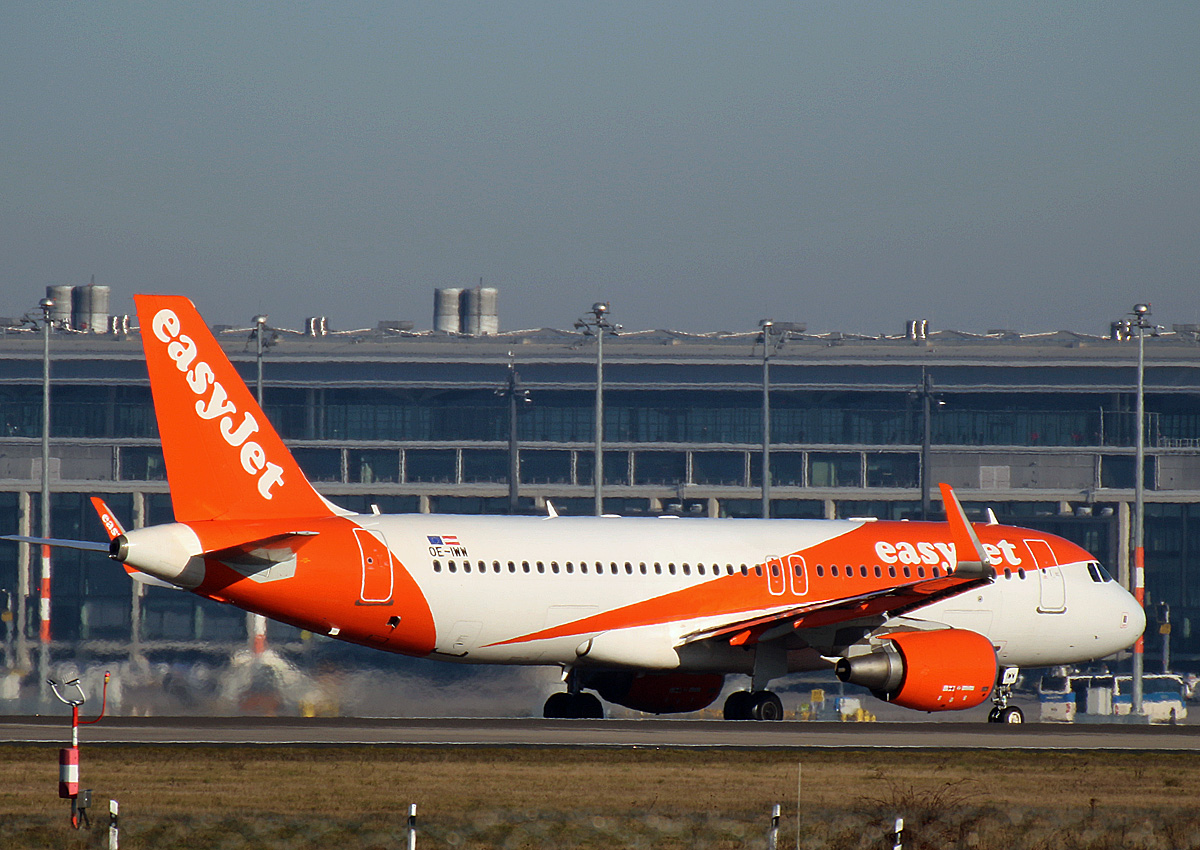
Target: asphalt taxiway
[251,731]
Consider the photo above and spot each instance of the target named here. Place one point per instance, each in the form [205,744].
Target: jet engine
[653,692]
[929,671]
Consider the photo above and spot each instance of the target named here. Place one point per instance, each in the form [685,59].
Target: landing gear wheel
[589,707]
[1012,714]
[738,706]
[559,706]
[766,706]
[994,715]
[568,706]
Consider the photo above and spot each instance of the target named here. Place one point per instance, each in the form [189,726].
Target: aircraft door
[776,580]
[377,568]
[797,575]
[1053,589]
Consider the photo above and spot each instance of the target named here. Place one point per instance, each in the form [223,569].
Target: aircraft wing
[891,601]
[972,570]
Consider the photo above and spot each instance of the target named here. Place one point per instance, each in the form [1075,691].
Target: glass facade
[675,416]
[672,443]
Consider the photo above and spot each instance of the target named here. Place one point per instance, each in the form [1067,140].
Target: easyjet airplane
[650,613]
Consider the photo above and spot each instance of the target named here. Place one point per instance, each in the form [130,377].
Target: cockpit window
[1098,573]
[1104,574]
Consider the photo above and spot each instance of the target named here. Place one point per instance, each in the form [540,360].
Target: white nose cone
[170,552]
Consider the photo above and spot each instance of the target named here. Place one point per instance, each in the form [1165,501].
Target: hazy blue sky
[700,165]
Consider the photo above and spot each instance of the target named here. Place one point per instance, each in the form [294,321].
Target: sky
[699,165]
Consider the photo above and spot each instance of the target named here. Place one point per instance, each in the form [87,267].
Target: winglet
[964,538]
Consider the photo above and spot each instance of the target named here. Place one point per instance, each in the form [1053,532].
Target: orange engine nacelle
[929,671]
[655,692]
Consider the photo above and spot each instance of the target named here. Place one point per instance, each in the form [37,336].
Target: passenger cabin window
[437,566]
[450,565]
[878,571]
[758,570]
[820,570]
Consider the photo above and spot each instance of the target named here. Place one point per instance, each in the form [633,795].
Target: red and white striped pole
[68,772]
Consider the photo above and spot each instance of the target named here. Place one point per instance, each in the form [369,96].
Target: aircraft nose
[1127,617]
[1137,615]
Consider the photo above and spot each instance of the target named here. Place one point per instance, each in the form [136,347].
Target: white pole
[898,835]
[412,826]
[114,839]
[798,774]
[773,835]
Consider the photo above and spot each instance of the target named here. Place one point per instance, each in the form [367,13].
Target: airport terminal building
[1038,427]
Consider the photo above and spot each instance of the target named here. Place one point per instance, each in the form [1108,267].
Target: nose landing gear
[1003,712]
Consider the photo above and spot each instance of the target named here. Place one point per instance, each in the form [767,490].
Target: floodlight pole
[926,441]
[256,623]
[599,324]
[47,304]
[764,337]
[1140,311]
[514,392]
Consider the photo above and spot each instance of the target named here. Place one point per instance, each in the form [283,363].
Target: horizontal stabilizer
[149,580]
[265,548]
[84,545]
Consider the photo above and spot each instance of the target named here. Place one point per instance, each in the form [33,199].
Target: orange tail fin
[224,460]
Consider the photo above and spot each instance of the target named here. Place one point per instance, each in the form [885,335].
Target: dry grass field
[347,798]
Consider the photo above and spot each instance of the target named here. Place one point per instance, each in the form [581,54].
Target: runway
[530,732]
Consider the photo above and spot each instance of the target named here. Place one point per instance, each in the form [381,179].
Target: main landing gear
[753,705]
[573,704]
[1003,712]
[568,706]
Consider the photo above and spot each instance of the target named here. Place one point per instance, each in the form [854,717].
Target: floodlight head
[260,319]
[765,324]
[46,303]
[600,308]
[1141,310]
